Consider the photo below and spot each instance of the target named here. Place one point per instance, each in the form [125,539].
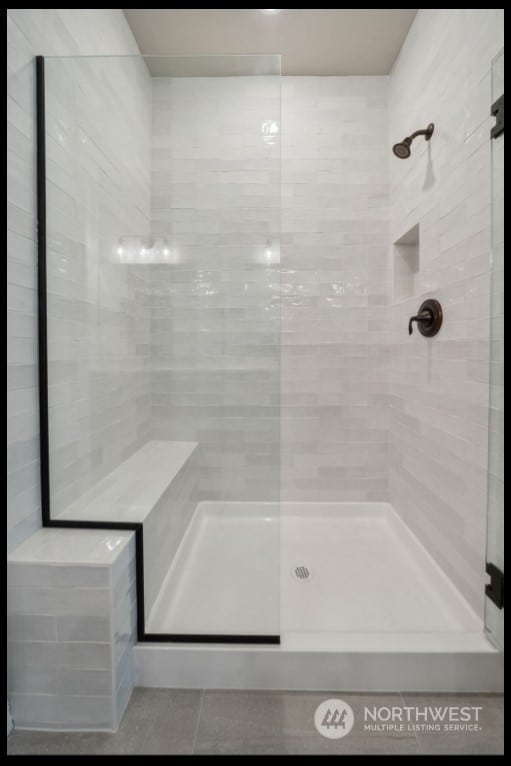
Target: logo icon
[334,719]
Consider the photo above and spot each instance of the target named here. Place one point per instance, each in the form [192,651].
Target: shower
[402,149]
[234,409]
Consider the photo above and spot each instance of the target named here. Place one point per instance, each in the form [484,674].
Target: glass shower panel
[495,531]
[163,308]
[215,333]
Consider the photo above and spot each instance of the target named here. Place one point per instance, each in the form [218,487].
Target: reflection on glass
[163,221]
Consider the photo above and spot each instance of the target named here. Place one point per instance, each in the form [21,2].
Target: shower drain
[302,573]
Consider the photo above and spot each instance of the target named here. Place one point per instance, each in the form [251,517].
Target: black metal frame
[494,590]
[136,527]
[497,111]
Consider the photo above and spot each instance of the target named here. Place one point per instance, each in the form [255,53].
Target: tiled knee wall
[71,629]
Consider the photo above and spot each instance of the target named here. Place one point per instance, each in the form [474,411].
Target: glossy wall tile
[439,386]
[49,32]
[215,293]
[335,288]
[97,191]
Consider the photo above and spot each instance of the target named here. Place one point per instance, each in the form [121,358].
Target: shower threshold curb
[278,668]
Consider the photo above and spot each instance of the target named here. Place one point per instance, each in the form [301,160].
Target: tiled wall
[216,311]
[215,295]
[335,288]
[212,331]
[98,114]
[439,387]
[168,521]
[123,621]
[49,32]
[216,318]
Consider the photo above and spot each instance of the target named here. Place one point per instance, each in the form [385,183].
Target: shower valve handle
[429,318]
[422,316]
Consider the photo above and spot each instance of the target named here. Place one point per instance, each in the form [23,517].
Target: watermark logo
[334,718]
[422,718]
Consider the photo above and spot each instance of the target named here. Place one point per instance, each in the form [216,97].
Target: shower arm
[426,132]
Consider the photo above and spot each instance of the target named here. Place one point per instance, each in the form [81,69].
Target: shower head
[403,148]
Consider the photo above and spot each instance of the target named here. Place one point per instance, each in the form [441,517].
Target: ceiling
[311,42]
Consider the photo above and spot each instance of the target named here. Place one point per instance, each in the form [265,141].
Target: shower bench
[72,593]
[71,622]
[155,486]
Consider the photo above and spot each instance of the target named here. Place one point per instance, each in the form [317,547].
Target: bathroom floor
[344,576]
[178,721]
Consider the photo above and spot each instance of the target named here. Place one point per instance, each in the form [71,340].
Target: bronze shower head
[403,148]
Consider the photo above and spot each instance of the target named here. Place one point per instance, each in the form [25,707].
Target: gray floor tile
[162,721]
[462,745]
[167,721]
[158,721]
[283,722]
[488,740]
[179,707]
[55,743]
[311,746]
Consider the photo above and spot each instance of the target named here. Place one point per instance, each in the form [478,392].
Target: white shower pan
[358,603]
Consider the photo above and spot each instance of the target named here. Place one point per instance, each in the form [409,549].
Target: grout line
[198,721]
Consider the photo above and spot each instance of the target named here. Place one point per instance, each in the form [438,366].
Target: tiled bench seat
[71,618]
[155,486]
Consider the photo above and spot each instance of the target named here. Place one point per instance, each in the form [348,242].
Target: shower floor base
[226,574]
[357,601]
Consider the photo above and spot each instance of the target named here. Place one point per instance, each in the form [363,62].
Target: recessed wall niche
[407,264]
